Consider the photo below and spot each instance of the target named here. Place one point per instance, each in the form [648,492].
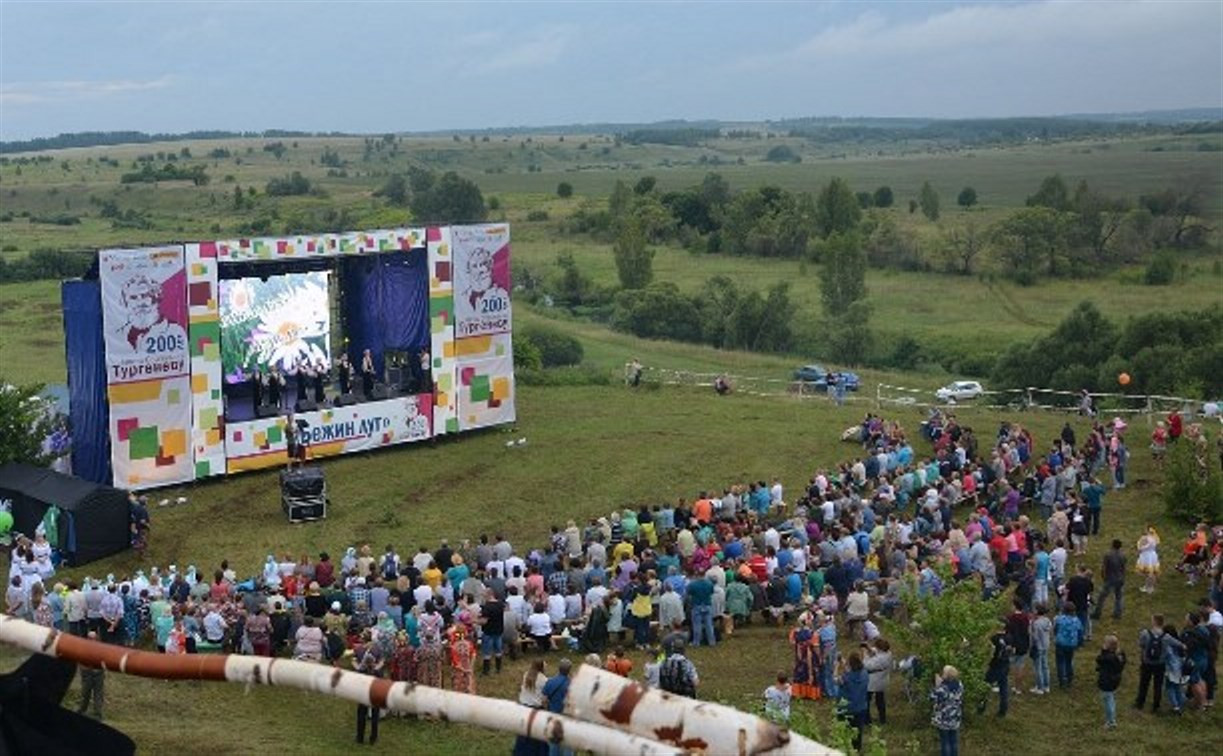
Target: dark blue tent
[94,519]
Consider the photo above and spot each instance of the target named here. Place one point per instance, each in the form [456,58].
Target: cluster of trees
[293,185]
[685,137]
[721,314]
[166,172]
[537,347]
[1169,353]
[42,264]
[447,198]
[1077,233]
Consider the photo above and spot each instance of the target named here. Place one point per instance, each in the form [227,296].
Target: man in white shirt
[74,611]
[595,594]
[1057,565]
[513,561]
[556,608]
[111,611]
[670,607]
[775,493]
[517,604]
[214,625]
[421,594]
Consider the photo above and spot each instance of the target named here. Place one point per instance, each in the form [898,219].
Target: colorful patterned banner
[481,279]
[204,345]
[441,329]
[320,245]
[144,318]
[358,427]
[486,381]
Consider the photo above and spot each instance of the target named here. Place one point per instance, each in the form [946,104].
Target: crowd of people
[848,548]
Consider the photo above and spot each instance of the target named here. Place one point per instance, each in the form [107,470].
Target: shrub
[564,189]
[537,215]
[555,347]
[1161,270]
[1193,485]
[526,354]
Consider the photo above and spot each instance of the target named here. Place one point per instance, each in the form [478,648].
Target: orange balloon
[1124,379]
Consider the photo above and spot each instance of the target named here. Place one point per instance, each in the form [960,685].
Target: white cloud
[1036,27]
[33,92]
[491,52]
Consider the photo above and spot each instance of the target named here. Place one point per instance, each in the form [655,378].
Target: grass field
[592,448]
[589,449]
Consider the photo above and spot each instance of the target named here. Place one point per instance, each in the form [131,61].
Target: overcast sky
[399,66]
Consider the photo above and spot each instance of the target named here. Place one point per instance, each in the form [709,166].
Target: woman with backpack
[1109,665]
[1068,636]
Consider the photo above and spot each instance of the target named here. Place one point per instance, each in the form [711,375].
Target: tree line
[1167,352]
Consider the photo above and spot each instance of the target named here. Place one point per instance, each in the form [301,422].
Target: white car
[959,391]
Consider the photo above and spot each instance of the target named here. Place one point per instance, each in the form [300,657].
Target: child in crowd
[777,700]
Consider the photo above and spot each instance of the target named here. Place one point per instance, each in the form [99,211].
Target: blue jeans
[491,644]
[641,629]
[702,624]
[949,742]
[1109,697]
[828,671]
[1175,694]
[1065,665]
[1040,662]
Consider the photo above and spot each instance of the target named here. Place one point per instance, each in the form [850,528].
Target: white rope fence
[1034,398]
[743,384]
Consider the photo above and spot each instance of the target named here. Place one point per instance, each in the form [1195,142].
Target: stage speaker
[379,393]
[306,405]
[394,376]
[303,482]
[303,510]
[343,400]
[267,410]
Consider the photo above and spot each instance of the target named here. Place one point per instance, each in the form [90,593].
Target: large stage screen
[281,321]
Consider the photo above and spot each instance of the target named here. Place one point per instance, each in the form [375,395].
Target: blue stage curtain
[405,296]
[85,348]
[386,304]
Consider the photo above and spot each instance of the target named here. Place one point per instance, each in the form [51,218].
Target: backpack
[673,677]
[390,570]
[1153,650]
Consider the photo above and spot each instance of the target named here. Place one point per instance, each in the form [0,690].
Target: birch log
[408,698]
[602,697]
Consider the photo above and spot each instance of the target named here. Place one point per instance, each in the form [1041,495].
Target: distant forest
[689,133]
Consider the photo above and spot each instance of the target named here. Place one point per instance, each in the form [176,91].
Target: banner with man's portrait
[144,312]
[144,322]
[481,279]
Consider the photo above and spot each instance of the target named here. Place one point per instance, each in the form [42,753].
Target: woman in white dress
[42,556]
[1148,559]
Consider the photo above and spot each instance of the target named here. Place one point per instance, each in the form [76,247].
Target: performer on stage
[276,384]
[258,382]
[425,383]
[367,374]
[344,375]
[294,447]
[301,371]
[320,378]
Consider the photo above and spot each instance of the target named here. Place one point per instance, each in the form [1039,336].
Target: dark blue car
[815,376]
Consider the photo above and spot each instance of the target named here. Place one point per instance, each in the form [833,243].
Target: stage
[176,353]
